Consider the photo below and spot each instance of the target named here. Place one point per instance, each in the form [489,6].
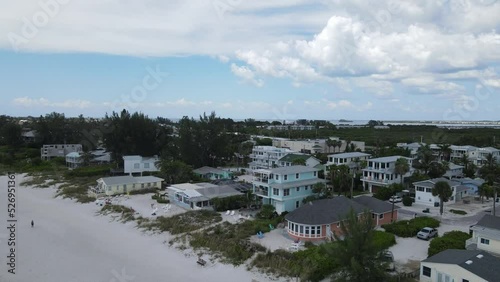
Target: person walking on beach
[32,224]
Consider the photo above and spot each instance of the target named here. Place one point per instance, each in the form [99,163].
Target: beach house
[291,159]
[380,172]
[211,173]
[285,187]
[460,266]
[123,184]
[199,195]
[50,151]
[265,157]
[138,164]
[485,235]
[318,220]
[423,191]
[351,159]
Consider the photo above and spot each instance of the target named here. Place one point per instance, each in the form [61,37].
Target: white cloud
[246,74]
[43,102]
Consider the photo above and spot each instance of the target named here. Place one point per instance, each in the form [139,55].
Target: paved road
[464,220]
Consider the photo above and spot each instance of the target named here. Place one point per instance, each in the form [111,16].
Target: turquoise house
[210,173]
[285,187]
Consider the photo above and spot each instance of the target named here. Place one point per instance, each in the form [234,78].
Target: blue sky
[281,60]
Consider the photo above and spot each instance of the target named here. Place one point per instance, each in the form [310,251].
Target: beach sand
[70,243]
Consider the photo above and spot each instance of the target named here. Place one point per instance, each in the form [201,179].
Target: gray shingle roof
[489,221]
[349,155]
[374,204]
[324,211]
[485,267]
[208,169]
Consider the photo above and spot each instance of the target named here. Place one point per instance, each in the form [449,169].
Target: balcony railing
[369,178]
[261,179]
[471,244]
[262,192]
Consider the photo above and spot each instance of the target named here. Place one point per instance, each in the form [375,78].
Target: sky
[262,59]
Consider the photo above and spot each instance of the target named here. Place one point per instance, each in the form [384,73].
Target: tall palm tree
[490,169]
[402,167]
[444,151]
[424,159]
[443,190]
[338,143]
[330,143]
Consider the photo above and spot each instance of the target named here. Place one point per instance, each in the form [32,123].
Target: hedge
[383,240]
[458,212]
[450,240]
[410,228]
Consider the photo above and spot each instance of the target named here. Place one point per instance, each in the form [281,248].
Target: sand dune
[70,243]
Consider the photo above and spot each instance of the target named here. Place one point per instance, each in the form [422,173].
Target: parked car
[427,233]
[395,199]
[389,259]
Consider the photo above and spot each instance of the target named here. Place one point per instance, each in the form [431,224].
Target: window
[276,191]
[428,190]
[426,271]
[315,173]
[146,165]
[298,189]
[306,187]
[136,165]
[142,185]
[373,215]
[133,185]
[420,189]
[485,241]
[296,176]
[286,192]
[381,216]
[155,184]
[277,177]
[297,204]
[149,184]
[124,187]
[285,177]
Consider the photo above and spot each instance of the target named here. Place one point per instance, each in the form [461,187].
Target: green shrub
[383,193]
[143,191]
[383,240]
[407,201]
[410,228]
[185,222]
[162,200]
[311,264]
[266,212]
[230,203]
[450,240]
[458,212]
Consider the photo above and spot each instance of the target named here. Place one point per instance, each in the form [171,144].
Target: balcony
[471,244]
[369,178]
[261,192]
[261,180]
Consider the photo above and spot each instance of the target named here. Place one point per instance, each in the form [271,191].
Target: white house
[351,159]
[454,171]
[59,150]
[486,235]
[478,156]
[138,164]
[289,160]
[380,172]
[199,195]
[74,160]
[264,157]
[460,266]
[124,184]
[423,191]
[312,146]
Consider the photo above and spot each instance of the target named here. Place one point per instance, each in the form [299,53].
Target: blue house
[285,187]
[473,184]
[211,173]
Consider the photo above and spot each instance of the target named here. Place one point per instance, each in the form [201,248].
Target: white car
[427,233]
[395,199]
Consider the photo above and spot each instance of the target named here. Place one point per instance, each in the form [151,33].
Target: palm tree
[443,190]
[490,169]
[445,151]
[338,143]
[330,143]
[402,167]
[424,159]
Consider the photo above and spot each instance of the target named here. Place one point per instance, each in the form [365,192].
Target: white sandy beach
[70,243]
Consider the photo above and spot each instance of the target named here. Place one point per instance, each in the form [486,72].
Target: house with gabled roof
[290,159]
[486,235]
[123,184]
[423,191]
[212,173]
[460,266]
